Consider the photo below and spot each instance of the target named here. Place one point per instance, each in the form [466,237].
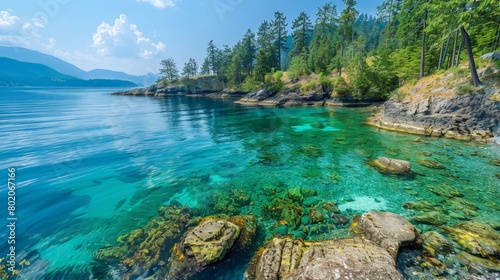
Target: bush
[274,81]
[296,87]
[298,67]
[250,85]
[465,89]
[326,83]
[341,88]
[308,86]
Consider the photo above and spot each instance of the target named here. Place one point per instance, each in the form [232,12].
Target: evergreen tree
[169,69]
[280,33]
[302,28]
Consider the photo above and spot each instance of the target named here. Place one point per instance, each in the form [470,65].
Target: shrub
[465,89]
[341,88]
[326,83]
[298,67]
[296,87]
[250,85]
[308,86]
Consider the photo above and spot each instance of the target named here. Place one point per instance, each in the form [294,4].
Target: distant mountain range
[18,73]
[65,68]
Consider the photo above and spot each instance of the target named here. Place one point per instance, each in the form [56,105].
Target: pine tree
[302,28]
[169,69]
[280,33]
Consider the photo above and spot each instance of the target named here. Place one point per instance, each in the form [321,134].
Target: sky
[133,36]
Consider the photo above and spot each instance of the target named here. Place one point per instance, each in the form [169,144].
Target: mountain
[18,73]
[61,66]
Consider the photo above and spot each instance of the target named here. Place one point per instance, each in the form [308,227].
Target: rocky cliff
[446,106]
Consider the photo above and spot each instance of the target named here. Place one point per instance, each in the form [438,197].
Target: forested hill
[366,56]
[17,73]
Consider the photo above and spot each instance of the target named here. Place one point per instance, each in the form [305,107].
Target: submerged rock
[390,166]
[445,190]
[476,238]
[479,265]
[435,243]
[431,164]
[388,230]
[330,207]
[285,210]
[431,218]
[420,205]
[294,259]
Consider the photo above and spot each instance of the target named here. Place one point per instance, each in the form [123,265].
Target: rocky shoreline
[474,117]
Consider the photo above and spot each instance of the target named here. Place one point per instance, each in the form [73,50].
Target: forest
[353,54]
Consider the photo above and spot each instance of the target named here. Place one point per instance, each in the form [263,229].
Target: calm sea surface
[91,166]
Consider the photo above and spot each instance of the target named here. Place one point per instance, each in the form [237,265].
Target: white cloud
[14,31]
[74,56]
[50,45]
[124,40]
[160,4]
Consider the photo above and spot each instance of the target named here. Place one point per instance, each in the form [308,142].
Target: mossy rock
[285,210]
[144,247]
[316,216]
[420,205]
[431,164]
[311,201]
[477,263]
[498,175]
[269,189]
[460,204]
[445,190]
[311,150]
[492,205]
[318,125]
[330,207]
[295,194]
[495,162]
[308,192]
[386,165]
[431,218]
[435,243]
[475,238]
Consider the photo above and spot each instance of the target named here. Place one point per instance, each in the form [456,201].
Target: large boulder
[354,258]
[390,231]
[209,243]
[390,166]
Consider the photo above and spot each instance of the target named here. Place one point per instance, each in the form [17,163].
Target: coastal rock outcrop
[471,117]
[354,258]
[390,231]
[372,255]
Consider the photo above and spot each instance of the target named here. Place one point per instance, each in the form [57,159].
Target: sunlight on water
[94,166]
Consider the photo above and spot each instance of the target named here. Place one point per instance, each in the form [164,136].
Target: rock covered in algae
[476,238]
[316,216]
[143,247]
[431,218]
[354,258]
[209,243]
[431,164]
[388,230]
[435,243]
[391,166]
[419,205]
[330,207]
[445,190]
[295,194]
[478,264]
[284,210]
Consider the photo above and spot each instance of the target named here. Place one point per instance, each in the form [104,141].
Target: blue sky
[134,35]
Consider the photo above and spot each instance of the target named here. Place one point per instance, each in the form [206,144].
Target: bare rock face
[391,166]
[390,231]
[354,258]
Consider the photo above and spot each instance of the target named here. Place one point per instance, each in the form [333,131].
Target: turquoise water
[91,166]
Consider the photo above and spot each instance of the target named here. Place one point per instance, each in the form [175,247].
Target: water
[91,166]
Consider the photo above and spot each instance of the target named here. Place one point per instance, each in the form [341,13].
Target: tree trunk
[497,35]
[452,61]
[458,54]
[446,49]
[475,78]
[422,54]
[440,55]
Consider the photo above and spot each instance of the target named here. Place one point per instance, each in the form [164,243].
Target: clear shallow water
[93,166]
